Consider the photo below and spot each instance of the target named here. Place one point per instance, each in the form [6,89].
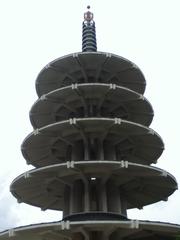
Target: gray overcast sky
[36,32]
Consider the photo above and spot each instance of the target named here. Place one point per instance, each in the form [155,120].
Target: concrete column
[86,196]
[77,193]
[66,201]
[123,205]
[114,201]
[101,150]
[102,196]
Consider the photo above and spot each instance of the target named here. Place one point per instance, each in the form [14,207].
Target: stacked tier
[92,149]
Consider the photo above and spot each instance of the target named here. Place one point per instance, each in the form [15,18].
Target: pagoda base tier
[95,230]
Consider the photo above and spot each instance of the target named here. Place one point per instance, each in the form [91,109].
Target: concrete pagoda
[92,150]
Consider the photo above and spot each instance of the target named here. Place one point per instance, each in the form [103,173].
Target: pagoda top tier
[86,67]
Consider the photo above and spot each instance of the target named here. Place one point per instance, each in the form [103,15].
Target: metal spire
[89,33]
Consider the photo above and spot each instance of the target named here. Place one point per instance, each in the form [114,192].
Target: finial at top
[88,16]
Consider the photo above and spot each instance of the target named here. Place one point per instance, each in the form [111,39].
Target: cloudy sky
[34,32]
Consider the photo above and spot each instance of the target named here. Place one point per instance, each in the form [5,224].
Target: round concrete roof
[108,100]
[133,142]
[141,185]
[84,67]
[125,230]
